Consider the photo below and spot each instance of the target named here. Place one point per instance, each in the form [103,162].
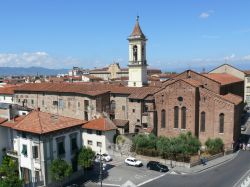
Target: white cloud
[247,57]
[205,15]
[39,58]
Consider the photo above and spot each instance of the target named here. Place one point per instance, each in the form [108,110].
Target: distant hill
[4,71]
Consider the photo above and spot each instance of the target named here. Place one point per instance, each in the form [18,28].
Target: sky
[182,34]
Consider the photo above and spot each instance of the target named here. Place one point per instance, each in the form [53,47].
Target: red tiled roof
[101,124]
[120,122]
[223,78]
[62,88]
[41,122]
[2,120]
[233,98]
[12,122]
[247,72]
[8,89]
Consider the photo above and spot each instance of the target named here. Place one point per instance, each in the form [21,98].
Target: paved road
[225,175]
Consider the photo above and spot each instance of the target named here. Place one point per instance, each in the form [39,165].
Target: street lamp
[102,167]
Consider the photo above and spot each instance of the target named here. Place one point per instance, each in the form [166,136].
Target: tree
[9,173]
[85,157]
[60,169]
[214,145]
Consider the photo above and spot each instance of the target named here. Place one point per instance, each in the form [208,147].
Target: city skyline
[181,35]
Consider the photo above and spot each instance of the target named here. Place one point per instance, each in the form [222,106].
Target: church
[207,104]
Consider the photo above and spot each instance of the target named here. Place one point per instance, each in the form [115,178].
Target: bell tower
[137,57]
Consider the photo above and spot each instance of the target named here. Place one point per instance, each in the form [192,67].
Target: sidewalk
[209,164]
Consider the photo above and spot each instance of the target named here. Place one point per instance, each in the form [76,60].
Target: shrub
[86,157]
[214,146]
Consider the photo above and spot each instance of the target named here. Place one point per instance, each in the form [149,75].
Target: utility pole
[100,174]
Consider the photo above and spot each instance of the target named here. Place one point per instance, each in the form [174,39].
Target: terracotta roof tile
[223,78]
[12,122]
[2,120]
[233,98]
[120,122]
[8,89]
[41,122]
[247,72]
[101,124]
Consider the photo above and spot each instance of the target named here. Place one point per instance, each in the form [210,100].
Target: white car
[131,161]
[105,157]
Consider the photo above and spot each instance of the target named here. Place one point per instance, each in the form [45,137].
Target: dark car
[157,166]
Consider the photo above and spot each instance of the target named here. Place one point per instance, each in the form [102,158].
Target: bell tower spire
[137,57]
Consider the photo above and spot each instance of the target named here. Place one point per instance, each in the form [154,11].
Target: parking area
[118,173]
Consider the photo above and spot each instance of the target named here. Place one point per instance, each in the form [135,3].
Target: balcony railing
[12,153]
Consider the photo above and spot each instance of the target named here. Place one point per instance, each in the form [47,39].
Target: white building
[98,134]
[40,137]
[137,57]
[247,88]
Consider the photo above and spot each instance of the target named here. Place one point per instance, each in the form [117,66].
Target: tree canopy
[85,157]
[60,169]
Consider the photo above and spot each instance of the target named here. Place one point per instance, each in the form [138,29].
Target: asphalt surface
[225,175]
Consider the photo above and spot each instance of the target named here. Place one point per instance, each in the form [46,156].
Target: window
[89,131]
[86,116]
[60,104]
[135,53]
[138,120]
[221,130]
[99,144]
[32,101]
[145,108]
[69,104]
[42,102]
[163,119]
[248,79]
[35,151]
[248,89]
[133,110]
[145,125]
[19,100]
[203,122]
[112,105]
[60,147]
[3,97]
[134,83]
[99,133]
[73,144]
[248,98]
[24,150]
[176,116]
[90,142]
[86,104]
[55,103]
[183,117]
[123,107]
[79,104]
[24,135]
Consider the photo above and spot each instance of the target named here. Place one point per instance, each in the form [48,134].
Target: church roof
[137,32]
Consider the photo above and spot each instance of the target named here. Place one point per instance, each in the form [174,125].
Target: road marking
[241,179]
[151,179]
[107,184]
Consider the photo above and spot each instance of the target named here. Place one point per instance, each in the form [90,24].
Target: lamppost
[100,174]
[102,167]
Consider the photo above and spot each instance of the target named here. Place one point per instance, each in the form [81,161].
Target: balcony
[12,153]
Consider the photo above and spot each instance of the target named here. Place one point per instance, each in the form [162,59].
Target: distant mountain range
[4,71]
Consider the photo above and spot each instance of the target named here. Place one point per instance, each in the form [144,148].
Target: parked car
[243,127]
[157,166]
[131,161]
[105,157]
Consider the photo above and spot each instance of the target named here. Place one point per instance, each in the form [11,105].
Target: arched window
[222,116]
[112,105]
[163,119]
[203,121]
[183,117]
[135,52]
[176,116]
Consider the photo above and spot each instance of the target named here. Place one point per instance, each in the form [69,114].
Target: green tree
[9,173]
[85,157]
[214,145]
[60,169]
